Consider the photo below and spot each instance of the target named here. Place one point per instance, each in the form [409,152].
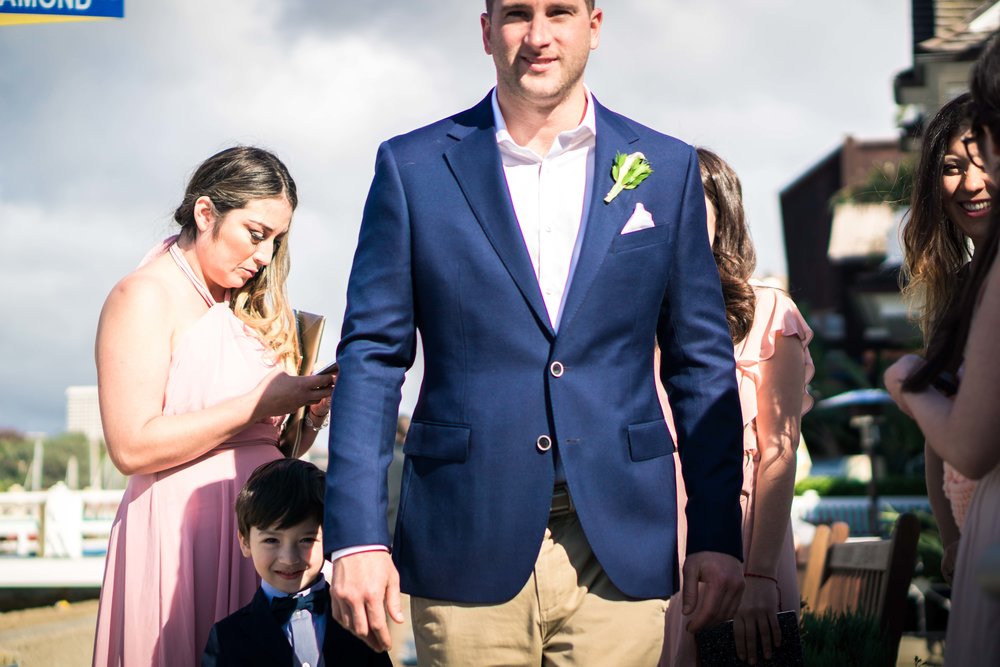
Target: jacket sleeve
[377,346]
[212,657]
[698,371]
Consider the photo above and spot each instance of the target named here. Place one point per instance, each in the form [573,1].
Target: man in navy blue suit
[537,519]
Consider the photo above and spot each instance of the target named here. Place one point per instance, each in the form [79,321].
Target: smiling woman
[952,199]
[192,353]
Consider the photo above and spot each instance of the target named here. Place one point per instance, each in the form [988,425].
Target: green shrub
[892,485]
[836,640]
[17,450]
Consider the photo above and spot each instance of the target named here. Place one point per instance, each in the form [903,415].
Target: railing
[853,510]
[56,523]
[61,522]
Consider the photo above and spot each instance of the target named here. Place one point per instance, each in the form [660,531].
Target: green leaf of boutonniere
[628,171]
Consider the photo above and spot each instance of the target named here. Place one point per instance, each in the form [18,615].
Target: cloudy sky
[101,124]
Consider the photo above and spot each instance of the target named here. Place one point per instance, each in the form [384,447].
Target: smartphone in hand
[329,369]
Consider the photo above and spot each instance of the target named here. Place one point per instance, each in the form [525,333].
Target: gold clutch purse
[310,330]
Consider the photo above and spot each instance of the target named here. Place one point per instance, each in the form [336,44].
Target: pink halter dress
[174,565]
[775,314]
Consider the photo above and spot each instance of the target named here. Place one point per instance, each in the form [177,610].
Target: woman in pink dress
[773,367]
[194,350]
[965,430]
[951,204]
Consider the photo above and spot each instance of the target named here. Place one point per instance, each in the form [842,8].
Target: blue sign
[78,8]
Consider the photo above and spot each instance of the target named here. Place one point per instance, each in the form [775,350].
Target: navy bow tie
[316,602]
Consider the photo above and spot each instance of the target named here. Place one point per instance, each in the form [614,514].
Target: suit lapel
[261,626]
[475,163]
[604,221]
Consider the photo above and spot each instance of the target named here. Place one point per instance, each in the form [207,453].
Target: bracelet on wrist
[769,578]
[312,425]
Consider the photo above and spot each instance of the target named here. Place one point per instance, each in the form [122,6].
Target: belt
[562,502]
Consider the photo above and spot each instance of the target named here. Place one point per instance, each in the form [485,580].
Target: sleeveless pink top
[216,359]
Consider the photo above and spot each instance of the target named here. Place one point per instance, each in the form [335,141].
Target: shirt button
[544,443]
[557,369]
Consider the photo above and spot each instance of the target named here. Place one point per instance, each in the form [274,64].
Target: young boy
[280,514]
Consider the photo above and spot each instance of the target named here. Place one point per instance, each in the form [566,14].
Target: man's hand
[365,586]
[713,586]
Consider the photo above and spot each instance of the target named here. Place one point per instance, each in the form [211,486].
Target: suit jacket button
[557,369]
[544,443]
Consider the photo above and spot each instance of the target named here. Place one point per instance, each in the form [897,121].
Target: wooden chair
[872,578]
[812,576]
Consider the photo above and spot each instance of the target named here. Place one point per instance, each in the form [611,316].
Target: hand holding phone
[329,369]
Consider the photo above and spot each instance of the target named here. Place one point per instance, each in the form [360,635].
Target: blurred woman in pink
[773,365]
[951,207]
[964,429]
[194,354]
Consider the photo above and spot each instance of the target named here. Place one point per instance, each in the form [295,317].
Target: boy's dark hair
[282,494]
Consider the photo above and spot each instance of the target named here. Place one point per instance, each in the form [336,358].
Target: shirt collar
[270,592]
[584,133]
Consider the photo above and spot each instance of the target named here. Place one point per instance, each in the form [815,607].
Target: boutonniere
[628,171]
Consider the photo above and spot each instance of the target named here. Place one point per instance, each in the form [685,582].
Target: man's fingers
[707,610]
[336,611]
[358,590]
[358,618]
[689,590]
[730,603]
[393,604]
[378,629]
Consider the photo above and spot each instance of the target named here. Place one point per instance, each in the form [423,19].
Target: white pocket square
[640,219]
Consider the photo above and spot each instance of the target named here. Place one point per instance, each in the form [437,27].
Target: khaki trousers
[568,613]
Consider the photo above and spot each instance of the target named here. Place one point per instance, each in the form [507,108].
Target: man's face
[540,47]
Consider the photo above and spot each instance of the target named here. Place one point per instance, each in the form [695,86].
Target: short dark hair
[282,494]
[489,6]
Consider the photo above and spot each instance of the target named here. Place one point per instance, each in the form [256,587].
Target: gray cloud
[104,121]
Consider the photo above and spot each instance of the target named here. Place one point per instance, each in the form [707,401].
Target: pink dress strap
[158,250]
[182,263]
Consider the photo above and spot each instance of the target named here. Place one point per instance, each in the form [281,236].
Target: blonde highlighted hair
[231,179]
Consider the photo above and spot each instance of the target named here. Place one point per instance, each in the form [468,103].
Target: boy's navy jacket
[251,636]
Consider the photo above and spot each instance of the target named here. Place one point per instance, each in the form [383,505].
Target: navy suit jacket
[251,637]
[440,253]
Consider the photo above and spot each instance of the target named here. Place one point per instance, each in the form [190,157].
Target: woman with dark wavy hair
[773,366]
[964,429]
[950,208]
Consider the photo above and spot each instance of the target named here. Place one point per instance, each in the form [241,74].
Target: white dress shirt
[551,198]
[318,620]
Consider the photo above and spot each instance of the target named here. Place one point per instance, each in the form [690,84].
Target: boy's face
[287,558]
